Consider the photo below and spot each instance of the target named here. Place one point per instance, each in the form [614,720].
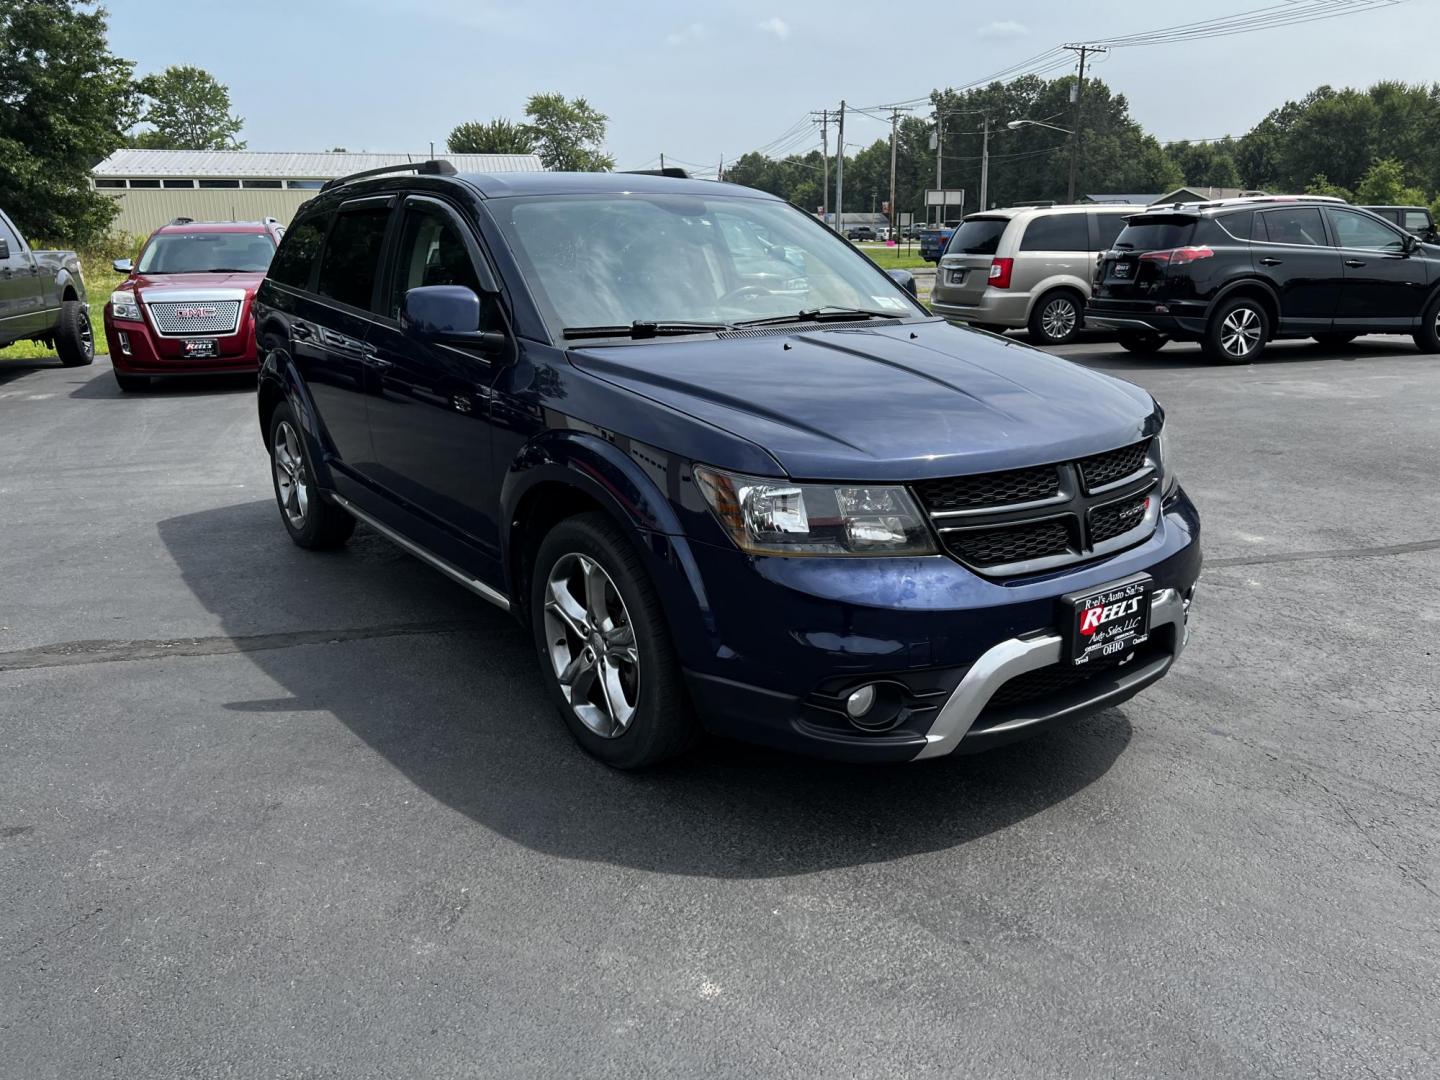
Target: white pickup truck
[42,298]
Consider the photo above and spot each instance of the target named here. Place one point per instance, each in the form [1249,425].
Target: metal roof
[256,164]
[598,183]
[1127,199]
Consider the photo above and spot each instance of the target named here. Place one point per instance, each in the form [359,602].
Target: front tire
[1056,318]
[75,338]
[605,649]
[1238,332]
[1427,338]
[131,384]
[1142,344]
[312,520]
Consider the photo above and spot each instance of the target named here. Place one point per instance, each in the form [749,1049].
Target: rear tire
[605,649]
[311,519]
[75,338]
[1427,338]
[1237,333]
[1056,318]
[132,384]
[1334,341]
[1142,344]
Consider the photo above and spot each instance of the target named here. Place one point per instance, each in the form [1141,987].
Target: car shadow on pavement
[10,370]
[104,387]
[1181,356]
[461,712]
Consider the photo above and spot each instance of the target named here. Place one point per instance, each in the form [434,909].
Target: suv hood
[905,402]
[157,283]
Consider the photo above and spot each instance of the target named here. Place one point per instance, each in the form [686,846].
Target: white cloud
[1007,28]
[686,34]
[774,25]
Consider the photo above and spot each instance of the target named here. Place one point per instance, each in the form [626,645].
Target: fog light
[124,342]
[860,702]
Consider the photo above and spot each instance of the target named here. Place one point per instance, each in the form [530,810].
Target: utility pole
[662,160]
[824,162]
[1083,50]
[840,172]
[939,164]
[894,142]
[985,167]
[720,172]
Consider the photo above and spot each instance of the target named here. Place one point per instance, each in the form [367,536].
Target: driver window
[1359,231]
[432,252]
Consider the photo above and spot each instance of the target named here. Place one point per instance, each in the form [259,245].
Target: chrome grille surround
[195,312]
[1081,521]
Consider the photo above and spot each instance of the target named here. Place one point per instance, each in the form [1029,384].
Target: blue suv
[789,507]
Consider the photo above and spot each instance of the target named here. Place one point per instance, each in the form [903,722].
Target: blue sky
[702,80]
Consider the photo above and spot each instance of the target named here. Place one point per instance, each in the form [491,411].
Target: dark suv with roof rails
[1239,273]
[796,509]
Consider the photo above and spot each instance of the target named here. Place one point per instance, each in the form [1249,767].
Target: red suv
[186,306]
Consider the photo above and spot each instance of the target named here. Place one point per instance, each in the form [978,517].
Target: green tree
[1206,164]
[569,136]
[1320,185]
[499,136]
[1384,185]
[187,109]
[65,103]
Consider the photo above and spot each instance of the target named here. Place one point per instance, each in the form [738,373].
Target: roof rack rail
[669,170]
[182,221]
[434,167]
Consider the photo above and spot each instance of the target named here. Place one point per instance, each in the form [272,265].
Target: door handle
[369,356]
[1267,261]
[1354,262]
[300,330]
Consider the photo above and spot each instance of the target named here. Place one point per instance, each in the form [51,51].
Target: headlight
[1169,479]
[775,517]
[123,305]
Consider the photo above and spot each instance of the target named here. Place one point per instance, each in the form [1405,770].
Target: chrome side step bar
[479,588]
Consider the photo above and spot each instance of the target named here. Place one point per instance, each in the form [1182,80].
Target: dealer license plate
[201,347]
[1121,270]
[1109,621]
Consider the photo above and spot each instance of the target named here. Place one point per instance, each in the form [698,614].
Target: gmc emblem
[196,313]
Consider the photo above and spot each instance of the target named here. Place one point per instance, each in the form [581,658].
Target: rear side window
[298,249]
[1156,233]
[352,254]
[1056,232]
[1109,226]
[977,236]
[1417,220]
[1237,225]
[1298,226]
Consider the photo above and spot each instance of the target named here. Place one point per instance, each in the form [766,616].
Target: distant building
[1180,195]
[155,186]
[1122,200]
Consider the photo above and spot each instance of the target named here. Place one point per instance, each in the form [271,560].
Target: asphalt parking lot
[271,813]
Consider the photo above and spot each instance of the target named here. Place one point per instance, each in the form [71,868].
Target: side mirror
[4,249]
[905,280]
[448,315]
[1412,243]
[123,266]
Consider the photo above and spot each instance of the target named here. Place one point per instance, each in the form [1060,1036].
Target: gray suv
[1026,267]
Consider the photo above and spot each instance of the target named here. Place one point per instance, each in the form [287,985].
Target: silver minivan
[1026,266]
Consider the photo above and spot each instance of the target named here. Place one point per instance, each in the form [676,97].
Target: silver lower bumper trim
[1016,656]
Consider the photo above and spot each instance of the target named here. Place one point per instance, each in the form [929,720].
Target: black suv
[1238,273]
[1413,219]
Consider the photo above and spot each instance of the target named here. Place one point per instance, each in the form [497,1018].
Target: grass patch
[896,258]
[98,287]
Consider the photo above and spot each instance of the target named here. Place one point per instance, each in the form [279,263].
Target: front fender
[624,477]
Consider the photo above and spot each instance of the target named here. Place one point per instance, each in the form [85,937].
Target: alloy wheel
[292,483]
[591,643]
[1240,332]
[87,335]
[1058,319]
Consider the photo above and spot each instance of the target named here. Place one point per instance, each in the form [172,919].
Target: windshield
[614,260]
[978,236]
[199,253]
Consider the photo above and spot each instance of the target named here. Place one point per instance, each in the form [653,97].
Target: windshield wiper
[826,314]
[642,329]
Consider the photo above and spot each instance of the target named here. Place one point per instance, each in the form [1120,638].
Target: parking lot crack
[1337,553]
[69,653]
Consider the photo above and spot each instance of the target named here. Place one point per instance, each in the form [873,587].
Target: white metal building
[155,186]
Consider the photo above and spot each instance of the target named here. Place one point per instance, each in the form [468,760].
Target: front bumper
[135,349]
[790,638]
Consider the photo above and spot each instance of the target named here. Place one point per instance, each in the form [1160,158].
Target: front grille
[1117,518]
[1011,543]
[207,317]
[1056,679]
[990,489]
[1114,465]
[1039,518]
